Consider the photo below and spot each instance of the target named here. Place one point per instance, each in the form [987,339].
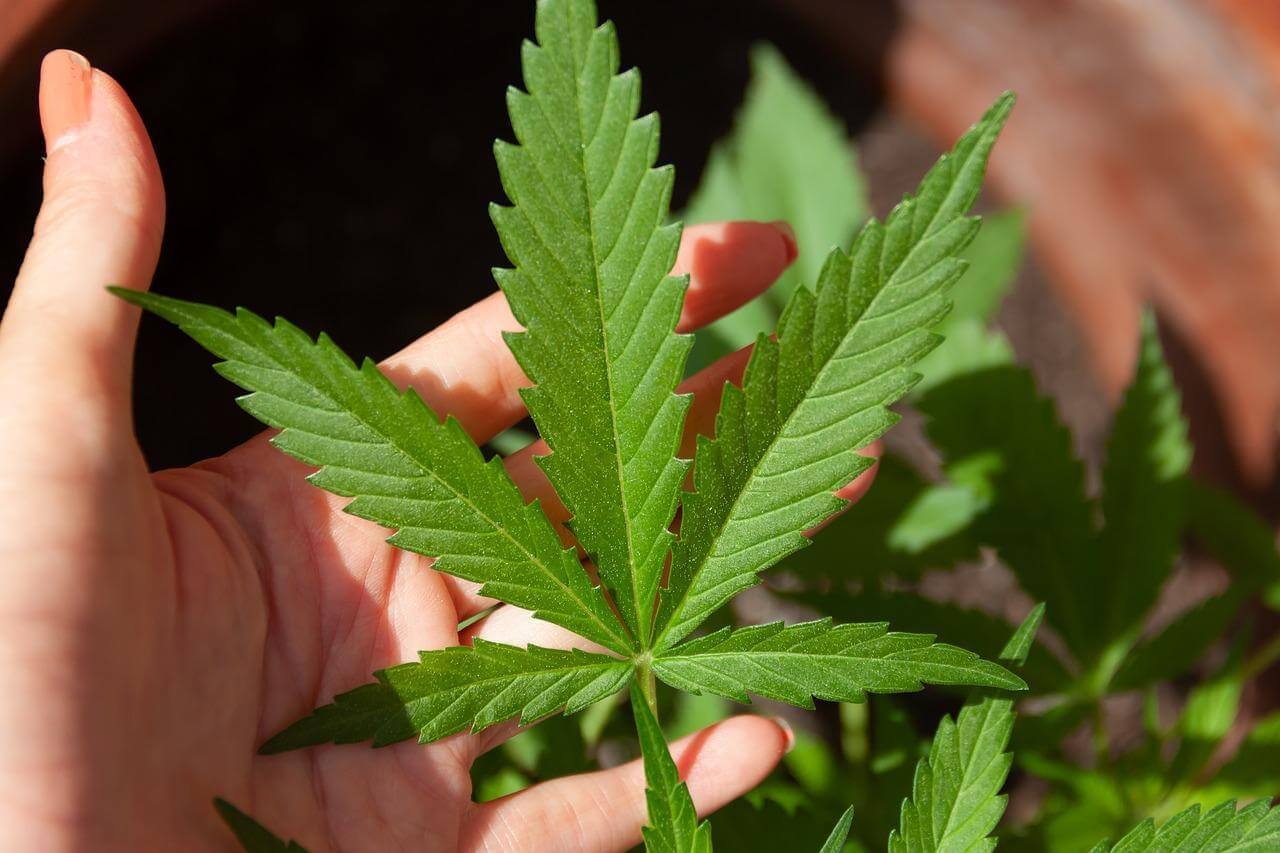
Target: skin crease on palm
[155,628]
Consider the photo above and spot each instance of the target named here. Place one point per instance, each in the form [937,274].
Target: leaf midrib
[619,470]
[749,654]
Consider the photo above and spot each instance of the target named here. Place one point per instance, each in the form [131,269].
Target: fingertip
[861,484]
[729,264]
[788,234]
[726,760]
[100,165]
[66,84]
[100,223]
[788,733]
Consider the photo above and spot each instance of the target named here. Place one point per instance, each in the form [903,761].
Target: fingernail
[66,80]
[787,732]
[788,238]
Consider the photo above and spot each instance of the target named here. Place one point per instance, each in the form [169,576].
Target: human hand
[156,628]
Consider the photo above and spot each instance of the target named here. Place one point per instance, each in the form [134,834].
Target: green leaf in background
[1221,829]
[457,689]
[1181,643]
[994,258]
[784,441]
[840,663]
[253,836]
[787,158]
[588,239]
[956,800]
[1254,771]
[900,528]
[764,826]
[812,763]
[1143,497]
[1043,732]
[998,435]
[511,441]
[1243,542]
[673,824]
[1211,709]
[1096,805]
[404,468]
[693,712]
[494,782]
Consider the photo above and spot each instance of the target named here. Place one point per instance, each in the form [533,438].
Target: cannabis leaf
[839,663]
[784,441]
[956,800]
[1222,829]
[673,822]
[788,158]
[1003,441]
[459,688]
[590,249]
[1245,545]
[588,238]
[1000,437]
[253,836]
[839,833]
[1143,495]
[403,467]
[974,630]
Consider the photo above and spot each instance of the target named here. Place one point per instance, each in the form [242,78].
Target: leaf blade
[783,442]
[1143,495]
[253,836]
[970,629]
[402,466]
[590,252]
[955,802]
[1005,440]
[456,689]
[1221,829]
[838,663]
[839,833]
[673,822]
[1242,541]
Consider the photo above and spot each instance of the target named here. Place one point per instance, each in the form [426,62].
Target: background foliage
[999,486]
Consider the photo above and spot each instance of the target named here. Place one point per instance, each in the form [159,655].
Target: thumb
[100,223]
[605,810]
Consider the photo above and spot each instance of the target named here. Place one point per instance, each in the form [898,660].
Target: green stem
[648,684]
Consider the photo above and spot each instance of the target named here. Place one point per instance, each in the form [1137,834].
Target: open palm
[155,628]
